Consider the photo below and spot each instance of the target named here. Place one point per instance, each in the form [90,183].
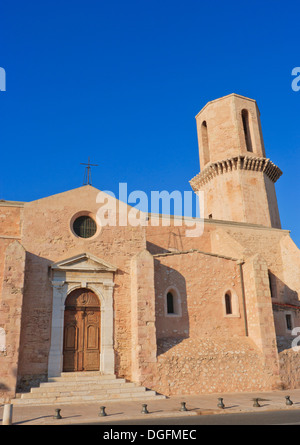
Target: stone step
[75,392]
[60,382]
[134,396]
[71,386]
[82,376]
[87,374]
[84,387]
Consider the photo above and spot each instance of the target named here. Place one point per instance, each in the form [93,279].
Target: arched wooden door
[81,350]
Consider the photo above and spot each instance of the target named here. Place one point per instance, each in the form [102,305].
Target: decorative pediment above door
[84,262]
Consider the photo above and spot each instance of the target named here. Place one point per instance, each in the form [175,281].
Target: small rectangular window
[288,319]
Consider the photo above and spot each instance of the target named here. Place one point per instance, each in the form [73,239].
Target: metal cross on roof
[87,180]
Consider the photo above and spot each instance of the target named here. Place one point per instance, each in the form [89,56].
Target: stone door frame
[82,271]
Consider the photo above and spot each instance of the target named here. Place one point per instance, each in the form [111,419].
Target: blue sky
[121,82]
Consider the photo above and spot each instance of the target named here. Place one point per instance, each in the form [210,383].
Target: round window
[84,226]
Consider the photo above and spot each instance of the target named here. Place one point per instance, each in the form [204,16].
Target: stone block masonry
[11,302]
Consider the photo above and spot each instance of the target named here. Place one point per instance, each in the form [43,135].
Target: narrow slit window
[228,304]
[170,303]
[246,127]
[204,133]
[271,284]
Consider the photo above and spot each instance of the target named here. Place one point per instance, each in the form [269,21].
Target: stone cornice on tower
[241,162]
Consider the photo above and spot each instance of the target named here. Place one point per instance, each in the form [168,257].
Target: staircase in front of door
[84,387]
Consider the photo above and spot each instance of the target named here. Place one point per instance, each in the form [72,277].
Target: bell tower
[237,179]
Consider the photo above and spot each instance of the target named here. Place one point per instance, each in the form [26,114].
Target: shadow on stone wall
[36,319]
[3,387]
[283,300]
[172,329]
[6,391]
[280,291]
[154,249]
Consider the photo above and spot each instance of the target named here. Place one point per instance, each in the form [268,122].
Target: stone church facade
[175,313]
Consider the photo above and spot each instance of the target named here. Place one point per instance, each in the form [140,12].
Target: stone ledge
[183,252]
[241,162]
[4,203]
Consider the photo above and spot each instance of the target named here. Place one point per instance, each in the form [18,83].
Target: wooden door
[82,332]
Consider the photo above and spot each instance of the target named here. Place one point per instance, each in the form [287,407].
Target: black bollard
[288,401]
[102,412]
[183,407]
[221,404]
[57,415]
[144,410]
[256,404]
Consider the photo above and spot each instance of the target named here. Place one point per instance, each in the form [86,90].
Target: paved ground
[119,411]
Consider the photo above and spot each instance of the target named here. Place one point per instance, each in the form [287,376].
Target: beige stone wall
[260,319]
[200,282]
[241,196]
[290,368]
[248,240]
[243,241]
[143,319]
[4,243]
[10,228]
[162,239]
[272,203]
[10,219]
[12,265]
[282,258]
[210,365]
[10,317]
[203,350]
